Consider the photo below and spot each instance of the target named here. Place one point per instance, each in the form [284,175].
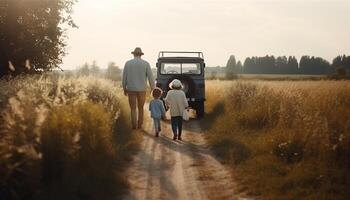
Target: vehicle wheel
[200,109]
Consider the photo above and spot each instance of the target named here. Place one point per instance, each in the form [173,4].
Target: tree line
[286,65]
[112,72]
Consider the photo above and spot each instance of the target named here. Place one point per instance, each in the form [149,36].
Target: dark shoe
[179,138]
[174,138]
[157,134]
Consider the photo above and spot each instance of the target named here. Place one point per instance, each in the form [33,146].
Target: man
[135,74]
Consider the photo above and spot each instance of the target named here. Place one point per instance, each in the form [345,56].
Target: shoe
[179,138]
[157,134]
[174,138]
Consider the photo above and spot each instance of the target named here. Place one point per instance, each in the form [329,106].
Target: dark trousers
[176,125]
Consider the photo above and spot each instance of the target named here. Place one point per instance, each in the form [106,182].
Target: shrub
[57,138]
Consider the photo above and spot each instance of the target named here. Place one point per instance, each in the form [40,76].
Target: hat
[137,51]
[175,83]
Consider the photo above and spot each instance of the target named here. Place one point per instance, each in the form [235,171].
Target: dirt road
[167,169]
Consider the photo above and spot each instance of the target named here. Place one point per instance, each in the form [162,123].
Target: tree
[32,34]
[314,65]
[248,66]
[239,67]
[292,65]
[341,62]
[231,67]
[84,70]
[95,69]
[113,72]
[282,65]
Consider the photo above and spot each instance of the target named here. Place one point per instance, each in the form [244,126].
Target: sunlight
[112,28]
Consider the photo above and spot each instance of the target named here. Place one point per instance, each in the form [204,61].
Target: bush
[58,138]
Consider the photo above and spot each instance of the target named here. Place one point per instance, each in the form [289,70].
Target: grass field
[283,139]
[63,138]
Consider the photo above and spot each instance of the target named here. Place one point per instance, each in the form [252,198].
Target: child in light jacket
[176,100]
[157,109]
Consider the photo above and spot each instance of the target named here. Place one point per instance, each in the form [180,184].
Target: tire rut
[167,169]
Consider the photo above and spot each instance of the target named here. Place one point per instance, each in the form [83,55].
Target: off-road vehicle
[188,67]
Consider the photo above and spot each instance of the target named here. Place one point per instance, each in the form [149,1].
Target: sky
[110,29]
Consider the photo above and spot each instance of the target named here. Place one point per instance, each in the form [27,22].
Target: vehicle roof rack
[197,53]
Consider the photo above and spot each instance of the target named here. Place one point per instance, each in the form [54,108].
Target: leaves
[32,32]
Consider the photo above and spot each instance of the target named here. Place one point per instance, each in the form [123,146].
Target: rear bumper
[195,100]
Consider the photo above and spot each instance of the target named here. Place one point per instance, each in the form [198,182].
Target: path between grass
[167,169]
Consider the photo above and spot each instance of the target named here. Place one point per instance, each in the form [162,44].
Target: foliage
[32,34]
[286,140]
[113,72]
[232,68]
[342,62]
[283,65]
[312,65]
[89,69]
[62,138]
[84,70]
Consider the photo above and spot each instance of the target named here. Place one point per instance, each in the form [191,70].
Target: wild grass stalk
[62,138]
[287,140]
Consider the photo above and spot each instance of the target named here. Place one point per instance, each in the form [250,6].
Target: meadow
[63,138]
[282,139]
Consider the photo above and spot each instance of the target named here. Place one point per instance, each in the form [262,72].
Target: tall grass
[286,140]
[62,138]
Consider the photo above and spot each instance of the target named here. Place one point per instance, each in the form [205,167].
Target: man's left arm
[124,79]
[150,77]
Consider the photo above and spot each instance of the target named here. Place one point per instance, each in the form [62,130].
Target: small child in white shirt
[176,100]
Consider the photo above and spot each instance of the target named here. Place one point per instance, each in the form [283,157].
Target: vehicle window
[178,68]
[171,68]
[191,68]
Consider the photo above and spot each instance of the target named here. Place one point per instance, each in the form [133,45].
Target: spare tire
[187,82]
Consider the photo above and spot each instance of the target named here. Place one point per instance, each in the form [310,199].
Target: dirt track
[167,169]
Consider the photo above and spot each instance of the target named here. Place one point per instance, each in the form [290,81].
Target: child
[157,109]
[176,100]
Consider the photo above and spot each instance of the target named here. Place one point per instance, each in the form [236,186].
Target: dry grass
[62,138]
[287,140]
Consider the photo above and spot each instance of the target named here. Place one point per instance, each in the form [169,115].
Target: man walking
[135,74]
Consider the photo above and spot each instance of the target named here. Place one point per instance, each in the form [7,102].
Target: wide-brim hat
[175,84]
[137,51]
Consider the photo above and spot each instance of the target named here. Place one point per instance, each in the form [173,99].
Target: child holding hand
[157,109]
[176,100]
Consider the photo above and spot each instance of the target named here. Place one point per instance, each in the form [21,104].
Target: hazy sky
[110,29]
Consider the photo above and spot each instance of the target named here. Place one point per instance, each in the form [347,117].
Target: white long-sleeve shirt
[177,101]
[135,74]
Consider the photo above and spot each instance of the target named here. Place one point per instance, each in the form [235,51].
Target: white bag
[186,115]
